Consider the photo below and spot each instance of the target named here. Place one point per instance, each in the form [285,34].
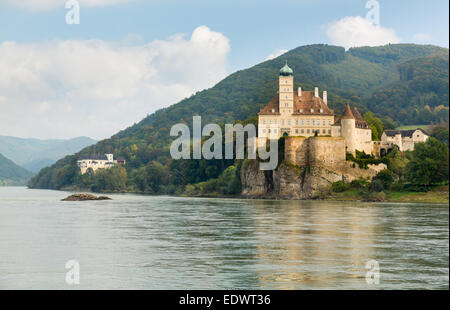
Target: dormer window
[273,110]
[300,111]
[312,110]
[321,110]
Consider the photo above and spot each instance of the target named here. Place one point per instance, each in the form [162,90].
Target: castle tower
[286,90]
[348,130]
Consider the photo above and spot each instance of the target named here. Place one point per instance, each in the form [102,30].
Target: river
[145,242]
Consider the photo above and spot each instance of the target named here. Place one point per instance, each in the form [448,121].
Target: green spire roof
[286,71]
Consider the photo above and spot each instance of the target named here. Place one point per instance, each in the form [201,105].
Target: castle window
[329,123]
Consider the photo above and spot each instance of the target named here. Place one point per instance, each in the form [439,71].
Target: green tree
[375,124]
[429,163]
[385,177]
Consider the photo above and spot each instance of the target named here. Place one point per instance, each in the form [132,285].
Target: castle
[404,139]
[305,114]
[96,162]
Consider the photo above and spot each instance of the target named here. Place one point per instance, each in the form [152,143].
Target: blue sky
[243,33]
[255,27]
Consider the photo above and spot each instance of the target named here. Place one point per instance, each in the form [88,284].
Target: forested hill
[12,174]
[383,79]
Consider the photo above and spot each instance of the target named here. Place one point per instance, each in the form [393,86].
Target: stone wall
[311,165]
[314,151]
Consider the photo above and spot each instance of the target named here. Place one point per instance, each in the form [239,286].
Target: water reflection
[178,243]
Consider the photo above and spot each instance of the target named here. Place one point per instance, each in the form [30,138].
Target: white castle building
[404,139]
[96,162]
[304,113]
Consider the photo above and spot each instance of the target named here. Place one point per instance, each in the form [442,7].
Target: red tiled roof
[305,103]
[359,120]
[347,113]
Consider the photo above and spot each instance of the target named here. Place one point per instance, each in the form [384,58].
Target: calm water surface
[141,242]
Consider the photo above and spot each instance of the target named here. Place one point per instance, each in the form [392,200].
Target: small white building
[96,162]
[404,139]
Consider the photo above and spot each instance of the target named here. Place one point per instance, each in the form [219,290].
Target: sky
[128,58]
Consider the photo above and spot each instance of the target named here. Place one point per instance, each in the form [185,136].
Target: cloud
[422,38]
[353,31]
[45,5]
[96,88]
[276,54]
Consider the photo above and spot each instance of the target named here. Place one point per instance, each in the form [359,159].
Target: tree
[396,162]
[429,163]
[375,124]
[385,177]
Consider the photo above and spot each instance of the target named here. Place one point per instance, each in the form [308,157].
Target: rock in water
[85,197]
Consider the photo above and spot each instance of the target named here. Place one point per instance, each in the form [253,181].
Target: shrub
[386,178]
[340,186]
[376,186]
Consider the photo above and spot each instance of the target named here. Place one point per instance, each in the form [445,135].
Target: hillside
[34,154]
[12,174]
[355,77]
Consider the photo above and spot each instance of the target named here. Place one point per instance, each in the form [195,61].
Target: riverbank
[436,195]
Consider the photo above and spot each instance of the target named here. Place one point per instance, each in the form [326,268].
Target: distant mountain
[400,83]
[34,154]
[12,174]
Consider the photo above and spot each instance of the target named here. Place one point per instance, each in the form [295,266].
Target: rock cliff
[293,182]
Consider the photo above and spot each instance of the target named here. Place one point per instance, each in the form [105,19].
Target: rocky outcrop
[85,197]
[292,182]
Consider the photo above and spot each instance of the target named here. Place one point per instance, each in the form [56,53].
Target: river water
[144,242]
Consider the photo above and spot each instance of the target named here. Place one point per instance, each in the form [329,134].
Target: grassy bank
[436,195]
